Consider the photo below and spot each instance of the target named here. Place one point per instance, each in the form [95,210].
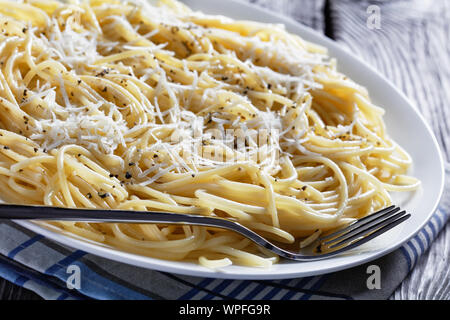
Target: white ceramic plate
[405,125]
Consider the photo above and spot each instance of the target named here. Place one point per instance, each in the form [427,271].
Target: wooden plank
[412,49]
[307,12]
[430,278]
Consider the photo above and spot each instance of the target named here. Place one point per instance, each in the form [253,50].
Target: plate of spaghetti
[207,108]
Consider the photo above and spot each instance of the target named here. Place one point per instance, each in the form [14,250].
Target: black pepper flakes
[128,175]
[103,195]
[319,248]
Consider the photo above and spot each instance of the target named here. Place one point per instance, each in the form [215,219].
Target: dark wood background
[412,49]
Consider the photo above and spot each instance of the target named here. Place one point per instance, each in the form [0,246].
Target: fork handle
[27,212]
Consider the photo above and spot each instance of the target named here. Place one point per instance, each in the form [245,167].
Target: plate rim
[176,267]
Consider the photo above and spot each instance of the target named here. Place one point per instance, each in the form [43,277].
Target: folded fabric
[39,264]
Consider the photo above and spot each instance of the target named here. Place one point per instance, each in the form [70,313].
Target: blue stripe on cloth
[62,296]
[252,294]
[244,284]
[20,281]
[191,293]
[24,245]
[407,257]
[420,243]
[218,289]
[430,224]
[65,262]
[300,285]
[92,284]
[21,276]
[427,237]
[315,287]
[414,251]
[272,293]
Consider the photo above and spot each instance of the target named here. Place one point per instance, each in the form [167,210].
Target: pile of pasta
[128,105]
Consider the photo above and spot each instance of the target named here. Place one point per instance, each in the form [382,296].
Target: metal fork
[342,240]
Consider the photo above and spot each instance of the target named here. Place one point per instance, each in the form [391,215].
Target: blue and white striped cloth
[39,264]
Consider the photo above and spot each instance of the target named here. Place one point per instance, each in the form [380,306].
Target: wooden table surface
[409,44]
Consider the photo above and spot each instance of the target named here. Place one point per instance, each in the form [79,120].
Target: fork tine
[364,225]
[389,210]
[373,234]
[381,224]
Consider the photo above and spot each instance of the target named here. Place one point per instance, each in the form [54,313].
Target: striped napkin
[41,265]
